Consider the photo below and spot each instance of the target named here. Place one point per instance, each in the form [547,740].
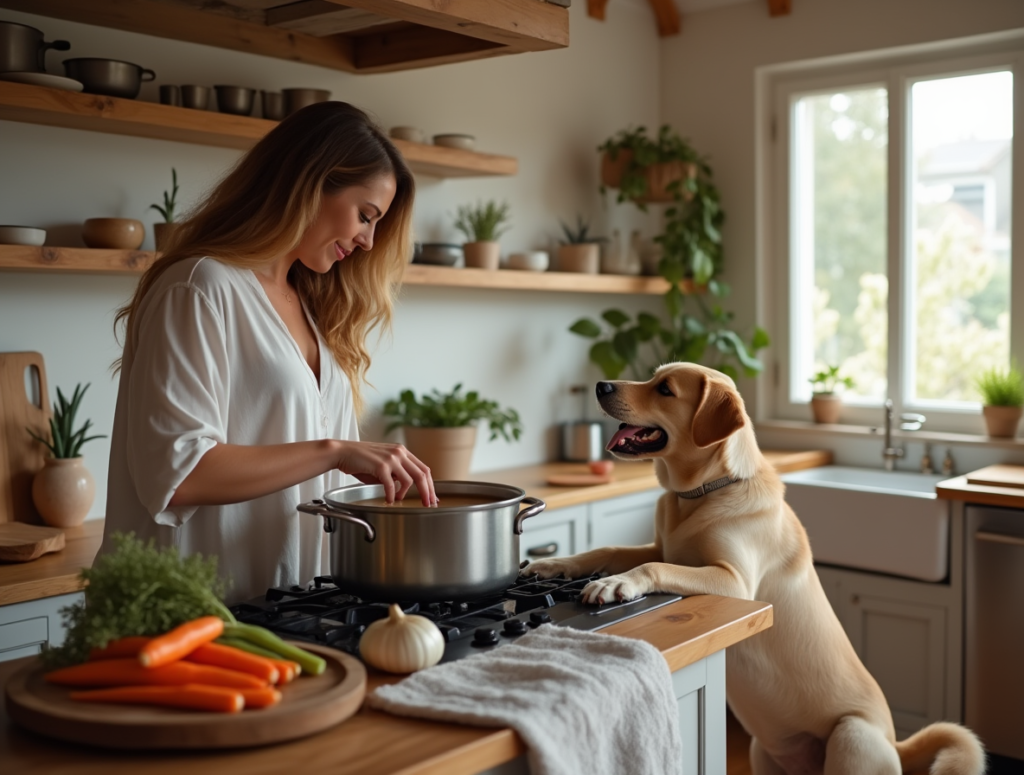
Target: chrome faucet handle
[911,421]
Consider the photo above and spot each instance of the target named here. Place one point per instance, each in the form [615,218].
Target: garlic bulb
[402,643]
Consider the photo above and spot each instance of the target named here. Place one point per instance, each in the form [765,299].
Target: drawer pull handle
[542,551]
[999,538]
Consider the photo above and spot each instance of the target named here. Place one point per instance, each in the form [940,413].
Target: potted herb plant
[579,251]
[1002,396]
[162,231]
[440,428]
[825,402]
[482,224]
[63,490]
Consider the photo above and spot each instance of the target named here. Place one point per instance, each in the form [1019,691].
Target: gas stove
[324,613]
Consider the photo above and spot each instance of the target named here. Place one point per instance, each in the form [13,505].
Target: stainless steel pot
[582,441]
[23,50]
[110,77]
[393,553]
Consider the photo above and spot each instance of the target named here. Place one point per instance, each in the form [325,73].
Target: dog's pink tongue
[622,434]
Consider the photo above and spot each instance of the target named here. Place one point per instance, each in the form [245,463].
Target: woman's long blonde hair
[261,209]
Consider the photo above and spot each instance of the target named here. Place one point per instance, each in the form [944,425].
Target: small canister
[582,441]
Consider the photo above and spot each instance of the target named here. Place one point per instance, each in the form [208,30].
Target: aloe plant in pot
[440,428]
[1002,395]
[580,251]
[482,224]
[162,231]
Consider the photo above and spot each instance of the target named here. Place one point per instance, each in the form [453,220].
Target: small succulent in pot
[579,251]
[825,402]
[162,231]
[66,442]
[482,224]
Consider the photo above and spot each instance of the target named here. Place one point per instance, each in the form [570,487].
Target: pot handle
[321,509]
[57,45]
[145,71]
[534,507]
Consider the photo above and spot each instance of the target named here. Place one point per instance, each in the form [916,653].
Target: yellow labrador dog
[723,528]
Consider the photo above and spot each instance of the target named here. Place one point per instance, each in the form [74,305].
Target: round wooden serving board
[308,704]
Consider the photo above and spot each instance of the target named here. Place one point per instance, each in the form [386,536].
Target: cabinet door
[25,627]
[553,534]
[624,521]
[903,645]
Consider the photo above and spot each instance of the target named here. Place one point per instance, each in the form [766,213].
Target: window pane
[839,285]
[960,262]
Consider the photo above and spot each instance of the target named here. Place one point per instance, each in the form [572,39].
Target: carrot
[219,655]
[289,670]
[261,698]
[180,641]
[128,672]
[218,699]
[116,649]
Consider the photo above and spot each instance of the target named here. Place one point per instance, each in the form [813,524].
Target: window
[888,193]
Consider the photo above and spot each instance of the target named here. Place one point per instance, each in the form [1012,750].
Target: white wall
[549,109]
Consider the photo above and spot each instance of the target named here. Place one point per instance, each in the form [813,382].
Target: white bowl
[22,235]
[410,133]
[530,260]
[465,142]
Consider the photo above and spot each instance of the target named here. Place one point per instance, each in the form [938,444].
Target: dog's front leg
[608,559]
[666,577]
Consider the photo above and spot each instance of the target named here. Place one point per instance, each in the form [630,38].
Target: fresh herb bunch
[482,222]
[65,442]
[579,236]
[170,200]
[452,410]
[137,589]
[827,380]
[1001,387]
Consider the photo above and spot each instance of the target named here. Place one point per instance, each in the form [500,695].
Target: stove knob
[513,627]
[539,617]
[485,636]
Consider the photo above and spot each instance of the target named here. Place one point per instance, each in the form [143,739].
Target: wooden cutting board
[309,704]
[578,480]
[21,455]
[998,476]
[20,542]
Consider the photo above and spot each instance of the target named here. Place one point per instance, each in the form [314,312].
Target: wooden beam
[596,9]
[320,18]
[667,17]
[414,46]
[779,7]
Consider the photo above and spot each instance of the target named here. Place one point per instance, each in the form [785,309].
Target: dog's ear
[718,415]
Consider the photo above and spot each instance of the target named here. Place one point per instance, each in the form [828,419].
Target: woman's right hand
[390,465]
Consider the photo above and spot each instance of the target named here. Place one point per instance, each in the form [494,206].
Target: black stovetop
[323,613]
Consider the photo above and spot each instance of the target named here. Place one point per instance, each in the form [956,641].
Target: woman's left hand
[390,465]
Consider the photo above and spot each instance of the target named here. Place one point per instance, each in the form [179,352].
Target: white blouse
[213,363]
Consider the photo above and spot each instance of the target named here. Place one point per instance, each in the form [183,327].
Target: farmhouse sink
[872,519]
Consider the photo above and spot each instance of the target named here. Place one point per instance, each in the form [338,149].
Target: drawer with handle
[546,541]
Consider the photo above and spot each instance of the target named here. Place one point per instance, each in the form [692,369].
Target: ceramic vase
[447,452]
[825,407]
[584,257]
[63,491]
[1002,421]
[482,255]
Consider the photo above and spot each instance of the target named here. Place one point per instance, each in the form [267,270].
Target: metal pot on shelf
[465,549]
[109,77]
[23,50]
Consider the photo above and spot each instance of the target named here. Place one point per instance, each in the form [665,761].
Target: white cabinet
[25,627]
[556,533]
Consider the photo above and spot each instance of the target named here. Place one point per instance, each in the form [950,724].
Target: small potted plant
[1002,396]
[579,251]
[162,231]
[825,402]
[482,224]
[440,428]
[63,490]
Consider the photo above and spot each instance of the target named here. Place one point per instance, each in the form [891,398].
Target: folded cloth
[584,703]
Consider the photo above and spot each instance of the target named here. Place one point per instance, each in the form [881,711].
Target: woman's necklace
[287,296]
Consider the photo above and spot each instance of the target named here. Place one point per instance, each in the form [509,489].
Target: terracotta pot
[612,169]
[826,407]
[584,257]
[113,233]
[482,255]
[446,451]
[63,491]
[1001,421]
[660,175]
[162,233]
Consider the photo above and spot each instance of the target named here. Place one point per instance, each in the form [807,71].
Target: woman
[244,353]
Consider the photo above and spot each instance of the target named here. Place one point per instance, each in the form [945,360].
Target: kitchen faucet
[908,422]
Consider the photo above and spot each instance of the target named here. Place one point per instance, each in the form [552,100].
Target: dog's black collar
[707,487]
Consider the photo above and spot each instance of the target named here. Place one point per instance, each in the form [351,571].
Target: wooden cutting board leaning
[20,455]
[998,476]
[20,542]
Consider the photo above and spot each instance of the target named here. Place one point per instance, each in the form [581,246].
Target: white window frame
[777,87]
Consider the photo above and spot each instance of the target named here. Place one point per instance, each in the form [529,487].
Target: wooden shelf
[356,36]
[89,261]
[54,107]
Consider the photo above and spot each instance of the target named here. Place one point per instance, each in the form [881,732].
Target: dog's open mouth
[636,440]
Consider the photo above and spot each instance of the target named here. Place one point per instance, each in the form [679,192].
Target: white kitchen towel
[584,703]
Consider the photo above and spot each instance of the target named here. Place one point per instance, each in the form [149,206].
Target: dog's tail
[942,749]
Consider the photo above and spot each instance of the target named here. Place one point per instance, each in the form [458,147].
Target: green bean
[310,663]
[252,648]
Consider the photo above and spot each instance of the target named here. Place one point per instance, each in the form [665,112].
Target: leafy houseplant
[440,427]
[825,402]
[63,489]
[579,251]
[482,224]
[1002,395]
[167,211]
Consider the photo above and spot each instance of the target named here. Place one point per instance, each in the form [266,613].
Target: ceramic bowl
[530,260]
[22,235]
[236,100]
[296,99]
[465,142]
[410,133]
[437,253]
[113,233]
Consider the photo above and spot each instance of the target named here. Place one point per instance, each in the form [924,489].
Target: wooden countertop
[375,743]
[959,489]
[55,573]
